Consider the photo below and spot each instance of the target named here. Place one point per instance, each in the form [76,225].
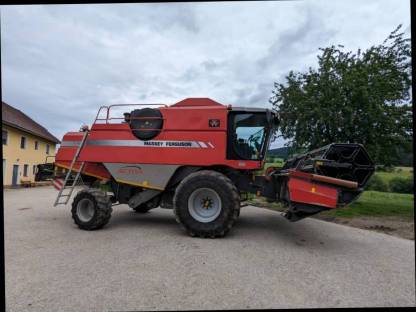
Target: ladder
[67,183]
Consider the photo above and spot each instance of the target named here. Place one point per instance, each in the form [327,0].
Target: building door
[15,174]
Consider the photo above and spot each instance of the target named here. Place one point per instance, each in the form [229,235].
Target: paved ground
[146,262]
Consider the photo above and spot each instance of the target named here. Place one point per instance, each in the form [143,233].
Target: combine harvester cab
[199,158]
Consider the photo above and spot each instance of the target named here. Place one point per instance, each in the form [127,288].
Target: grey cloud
[210,65]
[125,16]
[61,62]
[299,41]
[257,95]
[407,30]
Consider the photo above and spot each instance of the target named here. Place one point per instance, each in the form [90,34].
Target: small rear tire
[206,204]
[91,209]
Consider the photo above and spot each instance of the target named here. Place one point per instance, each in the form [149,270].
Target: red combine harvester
[199,158]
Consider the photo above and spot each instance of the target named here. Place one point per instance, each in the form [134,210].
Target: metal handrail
[107,118]
[98,113]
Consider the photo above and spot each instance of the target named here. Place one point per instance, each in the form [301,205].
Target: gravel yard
[147,262]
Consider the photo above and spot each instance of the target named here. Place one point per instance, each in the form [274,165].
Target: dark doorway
[15,175]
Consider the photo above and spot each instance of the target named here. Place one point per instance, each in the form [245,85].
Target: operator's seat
[244,150]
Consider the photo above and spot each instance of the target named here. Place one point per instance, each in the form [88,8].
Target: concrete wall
[13,154]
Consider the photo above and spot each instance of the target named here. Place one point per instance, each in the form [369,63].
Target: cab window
[247,135]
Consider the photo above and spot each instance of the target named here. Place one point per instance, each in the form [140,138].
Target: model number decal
[130,170]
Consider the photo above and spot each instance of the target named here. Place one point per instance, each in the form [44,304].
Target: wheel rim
[204,205]
[85,209]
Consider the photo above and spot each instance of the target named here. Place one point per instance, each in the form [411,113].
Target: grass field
[403,172]
[379,204]
[277,163]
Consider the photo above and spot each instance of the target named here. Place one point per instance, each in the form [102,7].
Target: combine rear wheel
[206,204]
[91,209]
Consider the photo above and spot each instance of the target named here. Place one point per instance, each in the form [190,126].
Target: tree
[353,98]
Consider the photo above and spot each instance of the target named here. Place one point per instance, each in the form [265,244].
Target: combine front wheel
[206,204]
[91,209]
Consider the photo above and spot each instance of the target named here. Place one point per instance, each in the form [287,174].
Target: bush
[376,183]
[401,185]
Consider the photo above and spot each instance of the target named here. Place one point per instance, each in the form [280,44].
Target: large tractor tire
[206,204]
[91,209]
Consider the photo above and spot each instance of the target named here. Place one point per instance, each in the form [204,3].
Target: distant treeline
[281,152]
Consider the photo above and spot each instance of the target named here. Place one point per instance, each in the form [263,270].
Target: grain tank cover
[196,102]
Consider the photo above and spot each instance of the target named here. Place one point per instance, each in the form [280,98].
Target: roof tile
[18,119]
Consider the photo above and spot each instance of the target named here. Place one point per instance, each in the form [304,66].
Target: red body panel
[305,191]
[183,121]
[93,169]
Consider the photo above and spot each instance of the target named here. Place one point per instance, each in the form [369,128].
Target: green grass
[387,176]
[407,169]
[276,163]
[373,203]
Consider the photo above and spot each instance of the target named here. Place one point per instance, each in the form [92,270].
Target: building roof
[17,119]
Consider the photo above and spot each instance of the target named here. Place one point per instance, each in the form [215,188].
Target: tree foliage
[361,97]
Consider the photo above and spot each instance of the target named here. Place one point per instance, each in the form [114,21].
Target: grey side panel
[145,175]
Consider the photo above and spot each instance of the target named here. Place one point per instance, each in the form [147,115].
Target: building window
[5,136]
[23,142]
[47,148]
[34,169]
[25,169]
[36,145]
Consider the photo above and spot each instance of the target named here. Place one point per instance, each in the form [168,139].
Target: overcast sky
[61,62]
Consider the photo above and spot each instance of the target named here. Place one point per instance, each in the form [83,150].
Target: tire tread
[234,204]
[103,209]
